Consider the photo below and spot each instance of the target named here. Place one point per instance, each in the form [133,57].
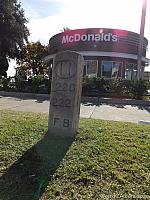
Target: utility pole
[141,41]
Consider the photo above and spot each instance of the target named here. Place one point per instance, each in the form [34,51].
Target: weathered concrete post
[65,95]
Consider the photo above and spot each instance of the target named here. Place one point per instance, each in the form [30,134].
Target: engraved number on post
[61,102]
[58,86]
[72,87]
[65,69]
[64,87]
[66,123]
[57,122]
[67,103]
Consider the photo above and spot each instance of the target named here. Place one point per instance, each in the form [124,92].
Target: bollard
[65,95]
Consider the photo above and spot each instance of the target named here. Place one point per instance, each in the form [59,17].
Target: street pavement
[116,112]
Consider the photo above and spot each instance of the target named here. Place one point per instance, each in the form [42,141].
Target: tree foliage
[31,58]
[13,31]
[3,66]
[65,29]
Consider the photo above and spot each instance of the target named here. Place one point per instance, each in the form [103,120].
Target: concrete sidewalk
[116,112]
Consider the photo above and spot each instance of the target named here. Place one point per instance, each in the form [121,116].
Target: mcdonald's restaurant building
[109,53]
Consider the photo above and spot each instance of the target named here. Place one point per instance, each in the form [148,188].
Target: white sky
[48,17]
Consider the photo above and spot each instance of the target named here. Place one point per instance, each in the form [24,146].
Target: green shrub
[39,84]
[120,87]
[138,88]
[1,84]
[148,85]
[115,87]
[98,84]
[20,83]
[102,84]
[95,86]
[5,83]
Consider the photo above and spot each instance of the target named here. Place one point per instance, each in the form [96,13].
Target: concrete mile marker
[65,94]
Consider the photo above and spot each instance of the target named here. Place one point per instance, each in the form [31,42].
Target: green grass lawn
[106,160]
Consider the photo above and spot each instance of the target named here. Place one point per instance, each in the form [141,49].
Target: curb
[24,95]
[84,99]
[143,122]
[125,101]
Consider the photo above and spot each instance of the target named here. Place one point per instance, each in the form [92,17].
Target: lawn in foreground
[106,159]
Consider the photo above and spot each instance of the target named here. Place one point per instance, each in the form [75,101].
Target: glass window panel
[115,70]
[128,74]
[106,69]
[91,68]
[135,67]
[131,71]
[129,66]
[111,69]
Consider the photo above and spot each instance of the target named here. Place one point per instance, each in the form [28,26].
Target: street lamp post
[141,41]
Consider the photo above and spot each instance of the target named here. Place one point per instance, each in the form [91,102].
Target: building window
[110,69]
[91,67]
[147,76]
[131,71]
[106,69]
